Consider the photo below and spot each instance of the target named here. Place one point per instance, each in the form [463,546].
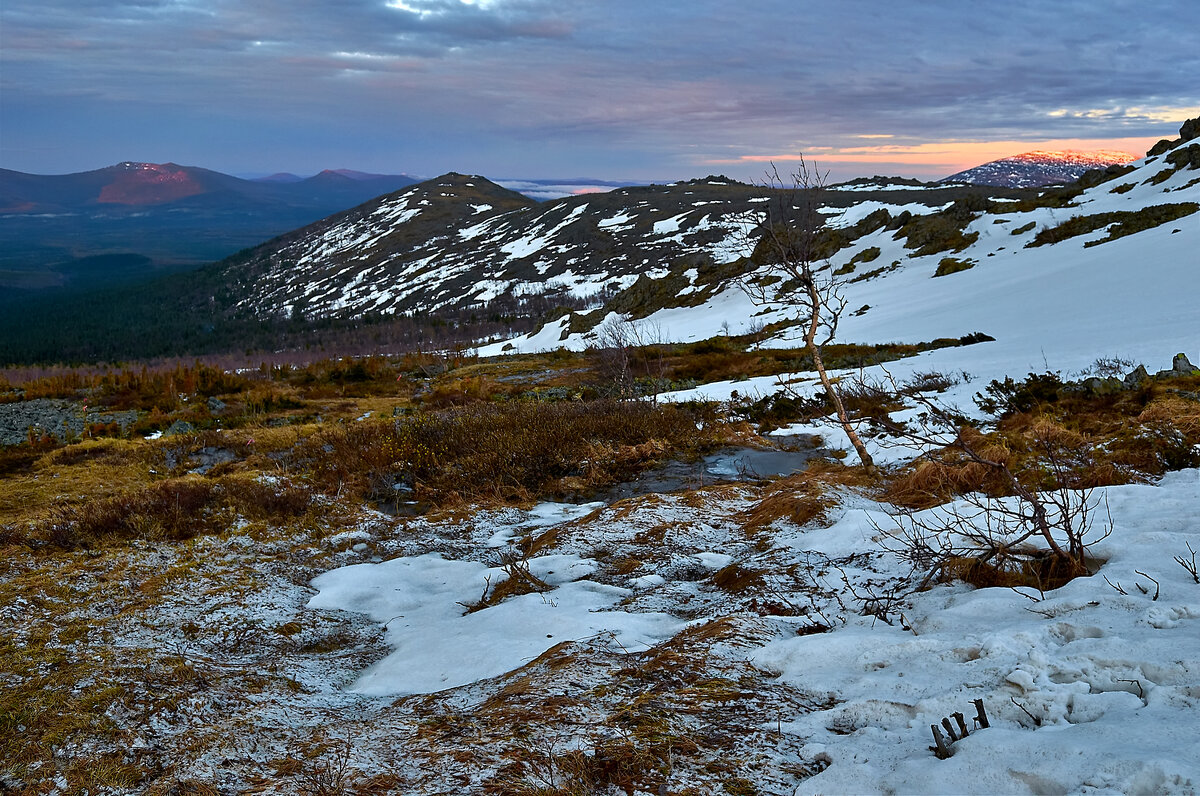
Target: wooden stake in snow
[981,719]
[942,748]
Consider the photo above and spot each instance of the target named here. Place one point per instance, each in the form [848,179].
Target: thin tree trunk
[810,340]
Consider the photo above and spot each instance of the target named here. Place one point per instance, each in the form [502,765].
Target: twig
[1152,580]
[479,604]
[1138,683]
[1036,721]
[1116,585]
[1029,596]
[1190,566]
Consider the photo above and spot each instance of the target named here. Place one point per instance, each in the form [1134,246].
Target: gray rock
[1182,365]
[61,419]
[208,457]
[215,405]
[179,427]
[1190,129]
[1136,378]
[1098,386]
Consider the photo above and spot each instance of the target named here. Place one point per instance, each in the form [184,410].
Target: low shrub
[172,510]
[507,451]
[1123,222]
[1003,398]
[952,265]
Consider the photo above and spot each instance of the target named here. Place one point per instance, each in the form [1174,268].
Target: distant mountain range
[138,185]
[152,216]
[1039,168]
[126,223]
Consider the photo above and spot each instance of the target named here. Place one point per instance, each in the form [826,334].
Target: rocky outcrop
[1189,131]
[1180,366]
[61,419]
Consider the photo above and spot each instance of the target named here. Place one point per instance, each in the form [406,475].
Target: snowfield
[1086,689]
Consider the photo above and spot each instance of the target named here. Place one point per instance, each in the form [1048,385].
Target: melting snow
[438,645]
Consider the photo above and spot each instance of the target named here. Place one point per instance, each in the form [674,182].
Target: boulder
[1190,129]
[1136,378]
[1165,145]
[1098,386]
[179,427]
[1182,365]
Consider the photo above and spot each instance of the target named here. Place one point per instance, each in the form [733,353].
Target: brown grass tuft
[172,510]
[737,579]
[803,498]
[1040,570]
[933,482]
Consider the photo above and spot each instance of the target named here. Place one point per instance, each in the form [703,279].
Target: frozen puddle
[746,464]
[436,645]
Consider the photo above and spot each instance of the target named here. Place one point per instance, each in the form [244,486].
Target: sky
[638,90]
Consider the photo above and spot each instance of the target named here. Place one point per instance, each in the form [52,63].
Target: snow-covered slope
[461,241]
[1033,169]
[1053,306]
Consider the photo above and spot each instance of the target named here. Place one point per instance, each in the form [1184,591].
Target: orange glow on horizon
[951,156]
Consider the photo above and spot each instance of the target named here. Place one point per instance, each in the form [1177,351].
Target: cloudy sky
[610,89]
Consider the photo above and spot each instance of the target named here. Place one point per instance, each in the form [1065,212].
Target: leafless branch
[1190,566]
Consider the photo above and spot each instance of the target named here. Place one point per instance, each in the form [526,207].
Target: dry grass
[88,471]
[169,510]
[1038,570]
[497,452]
[804,497]
[736,579]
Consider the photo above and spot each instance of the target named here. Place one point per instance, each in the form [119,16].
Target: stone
[1136,378]
[1182,365]
[179,427]
[62,419]
[1098,386]
[1165,145]
[215,405]
[1190,129]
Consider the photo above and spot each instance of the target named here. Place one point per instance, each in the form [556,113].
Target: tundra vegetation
[128,662]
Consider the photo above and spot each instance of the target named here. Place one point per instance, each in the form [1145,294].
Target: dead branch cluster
[1035,528]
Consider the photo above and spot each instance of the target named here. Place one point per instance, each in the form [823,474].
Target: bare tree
[625,346]
[797,271]
[614,344]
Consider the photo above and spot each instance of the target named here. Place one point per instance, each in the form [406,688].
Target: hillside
[149,218]
[1040,168]
[1072,258]
[447,250]
[462,240]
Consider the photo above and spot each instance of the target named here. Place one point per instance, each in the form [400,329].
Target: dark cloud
[541,87]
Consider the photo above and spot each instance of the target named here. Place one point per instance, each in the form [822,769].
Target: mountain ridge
[1039,168]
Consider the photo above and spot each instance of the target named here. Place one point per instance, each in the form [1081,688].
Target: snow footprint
[1065,633]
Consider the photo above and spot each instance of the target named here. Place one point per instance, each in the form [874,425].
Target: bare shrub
[1025,512]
